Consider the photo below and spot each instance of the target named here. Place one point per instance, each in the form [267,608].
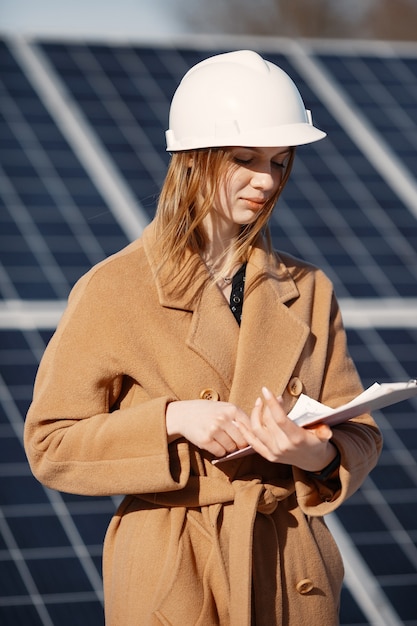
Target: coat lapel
[213,332]
[271,336]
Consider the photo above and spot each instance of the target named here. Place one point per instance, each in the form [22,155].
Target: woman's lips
[255,203]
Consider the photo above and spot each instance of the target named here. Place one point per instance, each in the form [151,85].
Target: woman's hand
[211,426]
[277,438]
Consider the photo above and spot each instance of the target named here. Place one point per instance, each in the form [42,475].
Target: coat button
[295,386]
[305,586]
[209,394]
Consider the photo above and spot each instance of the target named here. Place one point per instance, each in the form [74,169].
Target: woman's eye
[250,160]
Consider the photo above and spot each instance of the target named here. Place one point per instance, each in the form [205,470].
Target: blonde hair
[188,195]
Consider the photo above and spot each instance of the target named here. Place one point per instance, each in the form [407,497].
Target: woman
[193,342]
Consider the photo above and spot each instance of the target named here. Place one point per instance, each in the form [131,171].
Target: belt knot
[268,502]
[268,494]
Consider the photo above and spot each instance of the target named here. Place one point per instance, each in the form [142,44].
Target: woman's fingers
[208,425]
[253,440]
[268,417]
[274,408]
[256,415]
[322,431]
[277,413]
[230,439]
[277,438]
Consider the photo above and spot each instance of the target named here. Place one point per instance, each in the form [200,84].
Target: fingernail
[258,401]
[267,393]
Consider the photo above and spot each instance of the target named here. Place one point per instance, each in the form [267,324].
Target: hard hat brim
[280,137]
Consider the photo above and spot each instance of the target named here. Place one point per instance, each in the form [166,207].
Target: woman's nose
[264,179]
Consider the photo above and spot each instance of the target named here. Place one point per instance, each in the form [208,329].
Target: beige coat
[192,542]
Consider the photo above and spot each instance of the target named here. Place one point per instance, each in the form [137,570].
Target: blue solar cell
[44,531]
[33,285]
[60,55]
[386,558]
[33,111]
[11,583]
[22,615]
[80,87]
[370,370]
[21,490]
[402,596]
[68,612]
[33,199]
[359,517]
[5,420]
[391,476]
[11,450]
[74,260]
[13,339]
[402,344]
[411,65]
[142,111]
[93,524]
[58,576]
[14,372]
[6,59]
[46,335]
[409,438]
[350,613]
[17,85]
[158,60]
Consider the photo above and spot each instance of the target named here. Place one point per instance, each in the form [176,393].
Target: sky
[127,18]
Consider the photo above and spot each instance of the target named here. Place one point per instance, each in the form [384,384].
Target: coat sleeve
[359,440]
[78,437]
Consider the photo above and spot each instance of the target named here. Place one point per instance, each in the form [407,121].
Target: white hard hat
[238,99]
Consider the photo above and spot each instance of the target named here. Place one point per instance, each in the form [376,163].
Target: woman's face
[254,176]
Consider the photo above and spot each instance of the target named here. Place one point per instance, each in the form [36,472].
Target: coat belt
[249,496]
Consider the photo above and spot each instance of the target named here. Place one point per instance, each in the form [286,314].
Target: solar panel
[385,90]
[54,223]
[57,218]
